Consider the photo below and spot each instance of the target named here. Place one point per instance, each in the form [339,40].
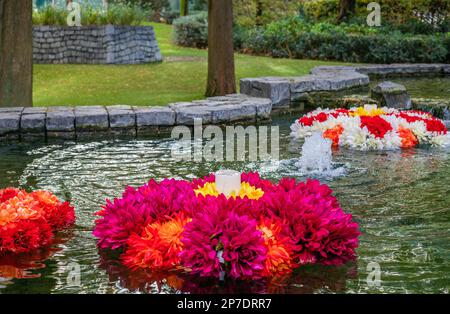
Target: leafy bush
[156,8]
[117,14]
[50,15]
[418,16]
[191,30]
[294,38]
[262,12]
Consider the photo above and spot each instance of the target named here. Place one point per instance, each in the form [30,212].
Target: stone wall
[99,121]
[108,44]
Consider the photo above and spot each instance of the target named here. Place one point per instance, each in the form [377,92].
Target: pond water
[401,199]
[424,87]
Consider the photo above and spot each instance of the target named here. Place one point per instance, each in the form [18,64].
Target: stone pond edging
[77,122]
[105,44]
[286,92]
[258,98]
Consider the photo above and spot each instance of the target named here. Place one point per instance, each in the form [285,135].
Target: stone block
[392,95]
[11,110]
[154,116]
[33,123]
[91,118]
[121,116]
[186,115]
[60,119]
[9,122]
[276,89]
[35,110]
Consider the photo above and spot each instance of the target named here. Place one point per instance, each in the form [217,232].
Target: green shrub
[320,10]
[191,30]
[117,14]
[50,15]
[400,14]
[329,42]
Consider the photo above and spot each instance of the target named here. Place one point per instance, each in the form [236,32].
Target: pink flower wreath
[267,230]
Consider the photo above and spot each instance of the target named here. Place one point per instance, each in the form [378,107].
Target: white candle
[228,181]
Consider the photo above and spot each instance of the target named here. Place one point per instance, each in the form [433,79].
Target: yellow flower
[247,190]
[368,112]
[208,189]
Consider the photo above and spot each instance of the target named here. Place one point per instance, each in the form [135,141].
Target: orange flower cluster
[334,134]
[408,138]
[278,260]
[159,246]
[28,220]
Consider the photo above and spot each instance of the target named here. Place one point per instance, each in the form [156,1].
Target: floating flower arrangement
[373,128]
[256,229]
[28,221]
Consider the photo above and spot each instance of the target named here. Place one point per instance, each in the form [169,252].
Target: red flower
[58,215]
[376,125]
[8,193]
[409,118]
[306,121]
[321,117]
[25,236]
[435,125]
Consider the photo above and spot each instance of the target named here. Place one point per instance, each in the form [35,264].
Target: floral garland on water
[371,128]
[28,221]
[265,230]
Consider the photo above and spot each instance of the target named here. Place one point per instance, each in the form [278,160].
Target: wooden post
[221,76]
[16,53]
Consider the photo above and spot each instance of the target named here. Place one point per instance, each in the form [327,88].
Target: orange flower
[334,134]
[278,259]
[159,246]
[45,198]
[21,206]
[408,138]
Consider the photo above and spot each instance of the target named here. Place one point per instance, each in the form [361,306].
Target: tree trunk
[16,53]
[221,77]
[259,12]
[184,7]
[105,5]
[346,8]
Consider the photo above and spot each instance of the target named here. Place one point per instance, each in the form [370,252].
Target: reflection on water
[308,279]
[400,199]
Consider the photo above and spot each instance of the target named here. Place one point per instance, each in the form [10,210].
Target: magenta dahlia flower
[139,207]
[218,240]
[244,251]
[319,229]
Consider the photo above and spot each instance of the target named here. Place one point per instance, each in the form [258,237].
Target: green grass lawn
[181,77]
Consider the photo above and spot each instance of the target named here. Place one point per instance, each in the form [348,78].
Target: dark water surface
[401,200]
